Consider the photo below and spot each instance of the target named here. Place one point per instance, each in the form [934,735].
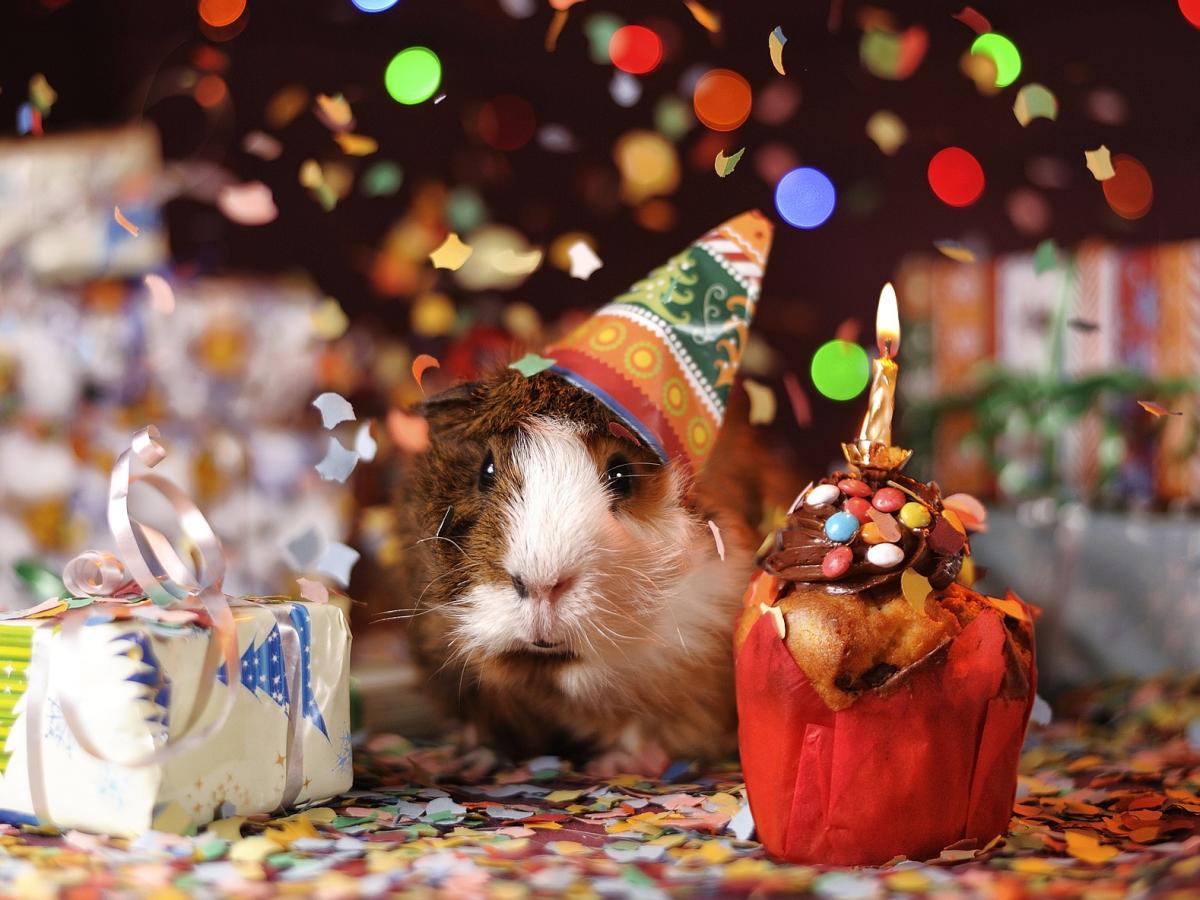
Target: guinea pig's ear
[452,408]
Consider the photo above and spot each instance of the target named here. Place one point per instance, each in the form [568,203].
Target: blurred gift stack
[98,337]
[1042,359]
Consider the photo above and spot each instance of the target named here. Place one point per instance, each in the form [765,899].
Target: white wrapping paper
[133,683]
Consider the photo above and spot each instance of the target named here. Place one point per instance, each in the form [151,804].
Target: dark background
[102,56]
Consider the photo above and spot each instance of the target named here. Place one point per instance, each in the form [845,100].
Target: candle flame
[887,322]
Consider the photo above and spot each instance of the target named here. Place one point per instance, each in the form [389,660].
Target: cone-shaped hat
[663,355]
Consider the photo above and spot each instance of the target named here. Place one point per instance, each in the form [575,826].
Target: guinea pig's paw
[646,759]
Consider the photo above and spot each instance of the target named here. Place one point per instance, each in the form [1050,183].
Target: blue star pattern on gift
[149,673]
[345,751]
[56,725]
[308,702]
[262,669]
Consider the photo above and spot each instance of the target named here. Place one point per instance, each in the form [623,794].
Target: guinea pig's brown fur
[573,597]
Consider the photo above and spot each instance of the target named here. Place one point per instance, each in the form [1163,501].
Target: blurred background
[1024,172]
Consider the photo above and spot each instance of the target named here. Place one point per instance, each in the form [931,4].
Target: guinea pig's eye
[618,476]
[487,473]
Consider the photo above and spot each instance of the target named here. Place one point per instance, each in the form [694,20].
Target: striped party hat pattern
[663,355]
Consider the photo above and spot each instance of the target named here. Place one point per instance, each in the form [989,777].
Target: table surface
[1107,803]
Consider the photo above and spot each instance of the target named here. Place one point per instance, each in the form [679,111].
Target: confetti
[716,533]
[328,320]
[973,19]
[303,550]
[313,591]
[530,364]
[420,364]
[888,131]
[1034,101]
[364,443]
[1009,606]
[262,145]
[247,204]
[916,588]
[1099,163]
[285,105]
[1045,257]
[124,222]
[584,260]
[1156,409]
[409,433]
[356,144]
[337,463]
[726,164]
[708,20]
[451,254]
[510,262]
[762,402]
[337,561]
[801,407]
[1086,846]
[41,95]
[334,409]
[775,44]
[617,430]
[334,112]
[955,251]
[162,297]
[968,510]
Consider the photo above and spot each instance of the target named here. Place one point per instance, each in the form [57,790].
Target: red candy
[837,562]
[887,499]
[853,487]
[859,508]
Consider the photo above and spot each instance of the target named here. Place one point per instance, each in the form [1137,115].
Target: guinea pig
[574,600]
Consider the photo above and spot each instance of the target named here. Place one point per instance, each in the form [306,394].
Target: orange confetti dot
[210,91]
[219,13]
[722,99]
[420,364]
[1129,192]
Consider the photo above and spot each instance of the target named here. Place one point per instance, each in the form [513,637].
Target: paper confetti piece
[762,402]
[1045,257]
[262,145]
[364,443]
[968,511]
[916,588]
[556,26]
[1085,846]
[173,819]
[313,591]
[303,551]
[1157,409]
[162,297]
[775,43]
[1034,101]
[726,164]
[530,364]
[1099,163]
[334,112]
[955,251]
[801,407]
[334,409]
[247,204]
[584,260]
[973,19]
[337,561]
[338,462]
[716,533]
[510,262]
[451,254]
[888,527]
[420,364]
[888,131]
[124,222]
[328,320]
[356,144]
[617,430]
[409,433]
[708,20]
[1009,606]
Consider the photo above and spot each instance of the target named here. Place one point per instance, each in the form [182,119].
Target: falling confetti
[970,512]
[726,164]
[1045,257]
[1099,163]
[41,95]
[1157,409]
[716,533]
[420,364]
[1034,101]
[334,409]
[510,262]
[364,443]
[888,131]
[247,204]
[262,145]
[451,254]
[124,222]
[162,297]
[328,319]
[706,17]
[775,43]
[313,591]
[356,144]
[955,251]
[801,408]
[617,430]
[530,364]
[762,402]
[973,19]
[584,260]
[337,561]
[334,112]
[409,433]
[338,462]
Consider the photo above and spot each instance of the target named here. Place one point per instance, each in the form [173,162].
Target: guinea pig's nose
[542,591]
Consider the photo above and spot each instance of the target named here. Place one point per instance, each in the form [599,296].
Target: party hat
[663,355]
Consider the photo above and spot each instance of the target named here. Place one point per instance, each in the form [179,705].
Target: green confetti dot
[530,364]
[1003,53]
[840,370]
[413,75]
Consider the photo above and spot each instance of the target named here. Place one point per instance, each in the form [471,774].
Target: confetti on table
[973,19]
[338,462]
[726,164]
[356,144]
[530,364]
[1034,101]
[584,260]
[716,533]
[313,591]
[247,204]
[451,254]
[1099,163]
[334,409]
[762,402]
[955,251]
[1156,409]
[162,297]
[775,44]
[124,222]
[708,20]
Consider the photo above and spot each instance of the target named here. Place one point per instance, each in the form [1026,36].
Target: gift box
[923,762]
[146,697]
[134,685]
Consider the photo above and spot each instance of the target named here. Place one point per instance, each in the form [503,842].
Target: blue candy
[841,527]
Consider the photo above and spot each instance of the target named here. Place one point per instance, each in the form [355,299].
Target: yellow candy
[871,534]
[914,515]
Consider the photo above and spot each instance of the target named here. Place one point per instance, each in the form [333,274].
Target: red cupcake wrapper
[905,771]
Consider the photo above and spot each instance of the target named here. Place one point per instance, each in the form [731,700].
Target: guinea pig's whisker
[440,537]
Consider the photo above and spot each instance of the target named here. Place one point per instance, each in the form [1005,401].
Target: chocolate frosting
[935,551]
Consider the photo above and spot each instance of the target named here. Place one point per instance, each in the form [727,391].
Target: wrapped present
[151,699]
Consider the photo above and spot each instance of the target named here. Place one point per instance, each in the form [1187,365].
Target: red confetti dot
[722,99]
[506,122]
[1191,11]
[956,177]
[635,49]
[1129,192]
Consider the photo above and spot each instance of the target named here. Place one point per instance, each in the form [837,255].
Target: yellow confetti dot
[451,254]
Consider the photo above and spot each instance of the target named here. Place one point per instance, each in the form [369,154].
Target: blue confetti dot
[374,6]
[841,527]
[805,197]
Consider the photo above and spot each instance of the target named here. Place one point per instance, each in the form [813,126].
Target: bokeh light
[840,370]
[635,49]
[506,122]
[955,176]
[1130,192]
[1191,11]
[600,29]
[374,6]
[1001,51]
[673,117]
[413,75]
[777,102]
[648,165]
[210,91]
[219,13]
[722,99]
[805,197]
